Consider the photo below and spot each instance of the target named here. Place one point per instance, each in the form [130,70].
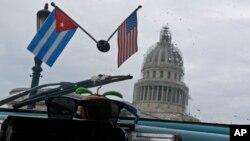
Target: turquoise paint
[185,134]
[187,126]
[4,115]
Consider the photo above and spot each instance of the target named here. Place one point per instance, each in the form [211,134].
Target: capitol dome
[164,54]
[161,91]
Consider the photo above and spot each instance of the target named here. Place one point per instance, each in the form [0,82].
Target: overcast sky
[214,37]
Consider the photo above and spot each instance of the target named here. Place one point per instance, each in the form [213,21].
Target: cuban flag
[52,37]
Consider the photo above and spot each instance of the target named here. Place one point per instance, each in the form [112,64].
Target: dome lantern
[165,35]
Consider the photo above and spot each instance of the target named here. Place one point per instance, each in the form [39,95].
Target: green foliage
[82,90]
[113,93]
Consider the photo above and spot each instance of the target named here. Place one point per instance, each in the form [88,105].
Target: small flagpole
[123,22]
[53,4]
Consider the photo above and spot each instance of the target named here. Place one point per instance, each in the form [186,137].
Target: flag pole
[123,22]
[53,4]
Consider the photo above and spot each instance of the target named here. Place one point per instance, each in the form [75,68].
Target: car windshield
[189,59]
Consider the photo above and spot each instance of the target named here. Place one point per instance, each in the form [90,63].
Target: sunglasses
[94,109]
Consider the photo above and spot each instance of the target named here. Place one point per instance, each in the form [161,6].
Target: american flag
[127,38]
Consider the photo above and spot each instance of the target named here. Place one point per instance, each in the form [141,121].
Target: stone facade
[161,92]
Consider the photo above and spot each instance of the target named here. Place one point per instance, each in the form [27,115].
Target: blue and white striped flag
[52,37]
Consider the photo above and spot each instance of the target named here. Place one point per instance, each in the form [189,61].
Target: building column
[165,94]
[162,93]
[137,93]
[175,96]
[154,93]
[143,91]
[140,92]
[180,92]
[184,100]
[170,91]
[157,92]
[148,93]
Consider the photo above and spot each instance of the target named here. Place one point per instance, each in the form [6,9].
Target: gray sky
[212,35]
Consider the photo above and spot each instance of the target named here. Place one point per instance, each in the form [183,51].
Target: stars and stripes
[52,37]
[127,38]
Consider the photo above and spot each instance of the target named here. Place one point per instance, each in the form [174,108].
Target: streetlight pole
[37,69]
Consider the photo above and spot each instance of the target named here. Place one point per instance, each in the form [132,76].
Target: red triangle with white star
[63,22]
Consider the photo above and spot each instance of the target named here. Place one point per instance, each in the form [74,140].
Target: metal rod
[53,4]
[123,22]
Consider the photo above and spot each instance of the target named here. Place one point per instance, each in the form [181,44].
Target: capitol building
[161,92]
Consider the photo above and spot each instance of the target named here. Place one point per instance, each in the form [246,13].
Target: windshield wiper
[68,87]
[24,93]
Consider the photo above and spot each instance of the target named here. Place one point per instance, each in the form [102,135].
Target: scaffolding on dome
[174,52]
